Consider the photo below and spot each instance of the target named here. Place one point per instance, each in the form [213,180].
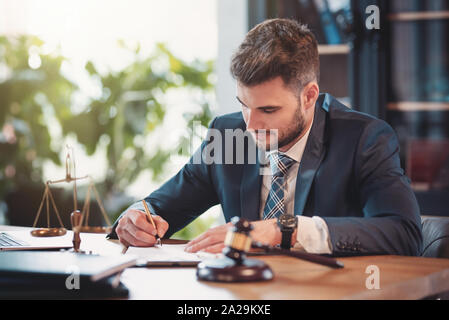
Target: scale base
[228,270]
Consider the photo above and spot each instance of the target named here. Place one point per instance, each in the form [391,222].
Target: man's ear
[310,94]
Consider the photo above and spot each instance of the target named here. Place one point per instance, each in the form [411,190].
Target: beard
[283,137]
[295,128]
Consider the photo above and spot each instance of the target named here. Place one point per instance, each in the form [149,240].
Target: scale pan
[49,232]
[89,229]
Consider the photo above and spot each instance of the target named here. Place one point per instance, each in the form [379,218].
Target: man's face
[272,106]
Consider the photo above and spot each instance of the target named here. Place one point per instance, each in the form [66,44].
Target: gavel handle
[315,258]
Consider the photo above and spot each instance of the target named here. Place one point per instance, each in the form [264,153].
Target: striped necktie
[275,206]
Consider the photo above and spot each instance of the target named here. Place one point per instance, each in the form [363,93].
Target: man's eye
[268,110]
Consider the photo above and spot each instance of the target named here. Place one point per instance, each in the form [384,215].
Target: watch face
[287,220]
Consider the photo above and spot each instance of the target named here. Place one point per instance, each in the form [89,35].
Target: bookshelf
[418,97]
[334,65]
[417,16]
[324,49]
[418,106]
[331,26]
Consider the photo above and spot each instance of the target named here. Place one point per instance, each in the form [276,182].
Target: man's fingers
[124,242]
[216,248]
[211,237]
[213,231]
[207,241]
[140,220]
[123,236]
[200,238]
[129,234]
[131,240]
[140,235]
[134,229]
[161,225]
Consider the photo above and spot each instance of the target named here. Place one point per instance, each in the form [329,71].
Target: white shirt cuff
[313,235]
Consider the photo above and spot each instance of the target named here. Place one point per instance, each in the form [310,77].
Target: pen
[325,261]
[150,219]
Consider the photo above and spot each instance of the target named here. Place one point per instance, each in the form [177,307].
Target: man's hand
[134,229]
[265,231]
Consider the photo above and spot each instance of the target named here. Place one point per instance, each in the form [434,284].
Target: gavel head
[238,240]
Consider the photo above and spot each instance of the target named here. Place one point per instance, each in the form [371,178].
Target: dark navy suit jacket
[350,175]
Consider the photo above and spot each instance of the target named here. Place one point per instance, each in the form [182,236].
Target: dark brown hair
[277,47]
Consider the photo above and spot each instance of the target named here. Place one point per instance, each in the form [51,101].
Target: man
[336,170]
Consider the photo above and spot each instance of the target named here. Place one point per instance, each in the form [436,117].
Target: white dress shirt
[313,233]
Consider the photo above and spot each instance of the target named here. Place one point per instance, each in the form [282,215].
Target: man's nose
[251,120]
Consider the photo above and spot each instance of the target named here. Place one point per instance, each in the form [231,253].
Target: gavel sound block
[235,267]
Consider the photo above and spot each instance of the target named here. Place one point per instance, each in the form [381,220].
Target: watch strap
[286,241]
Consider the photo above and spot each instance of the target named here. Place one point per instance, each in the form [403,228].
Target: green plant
[35,96]
[195,228]
[33,93]
[131,109]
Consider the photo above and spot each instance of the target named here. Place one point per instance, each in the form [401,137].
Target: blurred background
[132,87]
[123,83]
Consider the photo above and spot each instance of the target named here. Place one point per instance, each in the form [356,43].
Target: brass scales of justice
[79,220]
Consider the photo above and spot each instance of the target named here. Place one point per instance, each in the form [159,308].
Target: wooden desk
[400,278]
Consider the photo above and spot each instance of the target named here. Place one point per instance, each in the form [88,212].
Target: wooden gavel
[235,267]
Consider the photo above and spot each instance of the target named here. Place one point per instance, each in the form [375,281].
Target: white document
[168,253]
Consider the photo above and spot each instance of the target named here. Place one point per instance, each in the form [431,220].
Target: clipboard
[167,255]
[164,264]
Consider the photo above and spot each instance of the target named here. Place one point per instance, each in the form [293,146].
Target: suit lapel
[313,154]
